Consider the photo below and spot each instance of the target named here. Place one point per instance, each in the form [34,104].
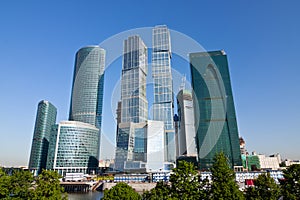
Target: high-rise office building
[215,119]
[163,103]
[75,144]
[133,86]
[186,129]
[73,148]
[133,109]
[87,88]
[45,119]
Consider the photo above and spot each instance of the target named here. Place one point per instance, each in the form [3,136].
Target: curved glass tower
[87,89]
[73,148]
[45,119]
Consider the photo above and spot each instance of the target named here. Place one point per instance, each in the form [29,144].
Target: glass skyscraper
[45,119]
[163,103]
[133,86]
[133,109]
[75,144]
[87,88]
[215,119]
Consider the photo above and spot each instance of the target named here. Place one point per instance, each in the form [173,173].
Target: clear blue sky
[39,39]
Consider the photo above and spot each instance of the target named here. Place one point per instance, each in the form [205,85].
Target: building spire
[182,85]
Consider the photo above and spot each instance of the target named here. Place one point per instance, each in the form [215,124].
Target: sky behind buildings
[38,42]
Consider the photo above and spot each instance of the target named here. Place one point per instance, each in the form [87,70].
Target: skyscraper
[133,109]
[45,119]
[87,88]
[163,103]
[186,133]
[215,119]
[75,144]
[133,87]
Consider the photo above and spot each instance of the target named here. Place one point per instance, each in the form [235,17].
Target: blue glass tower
[87,88]
[133,109]
[134,73]
[45,119]
[163,103]
[215,119]
[75,144]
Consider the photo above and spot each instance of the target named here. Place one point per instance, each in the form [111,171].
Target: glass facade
[133,86]
[140,147]
[73,148]
[131,144]
[87,89]
[215,119]
[45,119]
[133,108]
[163,87]
[124,141]
[140,144]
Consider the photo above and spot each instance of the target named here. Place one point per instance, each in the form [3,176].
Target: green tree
[4,183]
[162,191]
[223,184]
[185,182]
[121,191]
[265,187]
[21,185]
[48,187]
[291,183]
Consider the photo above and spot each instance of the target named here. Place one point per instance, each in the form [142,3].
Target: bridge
[76,186]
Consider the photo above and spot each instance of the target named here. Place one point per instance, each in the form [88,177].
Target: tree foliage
[48,186]
[185,184]
[121,191]
[22,185]
[161,191]
[223,184]
[291,183]
[4,183]
[265,187]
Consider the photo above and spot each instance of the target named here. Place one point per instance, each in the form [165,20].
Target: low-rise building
[270,162]
[258,162]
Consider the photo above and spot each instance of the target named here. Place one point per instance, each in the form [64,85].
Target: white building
[289,162]
[271,162]
[155,146]
[240,177]
[186,138]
